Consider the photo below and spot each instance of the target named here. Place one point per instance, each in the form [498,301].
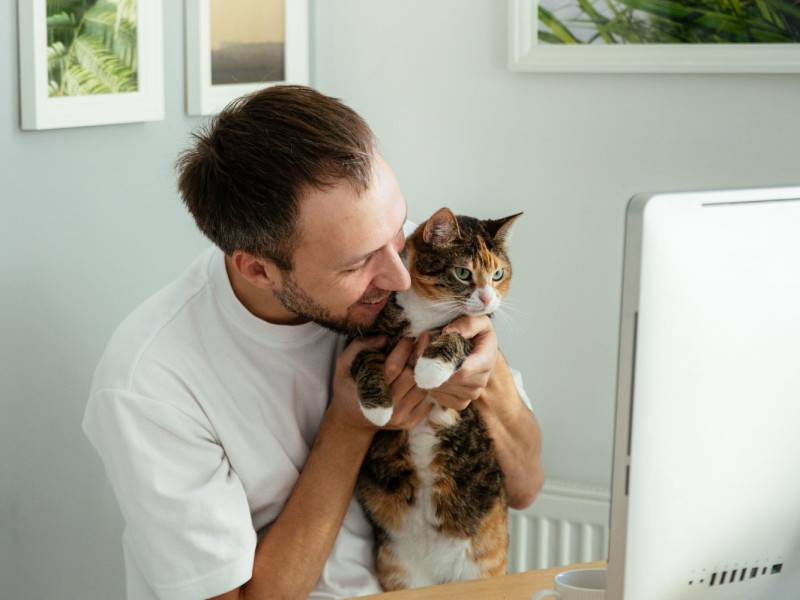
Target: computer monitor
[706,475]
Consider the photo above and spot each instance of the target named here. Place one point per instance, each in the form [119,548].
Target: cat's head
[460,262]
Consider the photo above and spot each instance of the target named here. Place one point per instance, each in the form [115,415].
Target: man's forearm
[516,434]
[290,558]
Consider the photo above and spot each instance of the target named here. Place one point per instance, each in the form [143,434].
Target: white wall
[569,150]
[91,224]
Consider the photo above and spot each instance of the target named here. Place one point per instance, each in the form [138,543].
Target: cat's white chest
[423,441]
[423,314]
[426,554]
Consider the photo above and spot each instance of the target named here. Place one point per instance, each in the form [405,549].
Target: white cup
[580,584]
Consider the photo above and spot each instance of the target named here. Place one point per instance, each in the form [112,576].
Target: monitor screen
[706,476]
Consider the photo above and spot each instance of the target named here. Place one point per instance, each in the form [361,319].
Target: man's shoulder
[151,324]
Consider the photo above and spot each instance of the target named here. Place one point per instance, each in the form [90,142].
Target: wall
[570,150]
[91,224]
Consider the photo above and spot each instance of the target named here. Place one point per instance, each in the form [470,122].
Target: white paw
[431,373]
[377,415]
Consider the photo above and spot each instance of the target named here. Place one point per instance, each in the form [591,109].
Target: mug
[580,584]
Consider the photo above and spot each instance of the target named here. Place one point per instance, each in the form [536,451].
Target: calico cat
[436,494]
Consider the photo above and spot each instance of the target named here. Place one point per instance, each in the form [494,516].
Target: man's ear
[260,272]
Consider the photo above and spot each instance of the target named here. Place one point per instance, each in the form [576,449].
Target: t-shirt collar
[251,324]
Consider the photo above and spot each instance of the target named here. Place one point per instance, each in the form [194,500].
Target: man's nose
[393,276]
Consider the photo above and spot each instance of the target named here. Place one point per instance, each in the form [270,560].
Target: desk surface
[517,586]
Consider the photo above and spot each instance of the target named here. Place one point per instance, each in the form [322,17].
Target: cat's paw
[431,373]
[377,414]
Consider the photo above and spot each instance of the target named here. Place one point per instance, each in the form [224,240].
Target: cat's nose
[485,296]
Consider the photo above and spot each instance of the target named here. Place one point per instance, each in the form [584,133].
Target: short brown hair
[247,168]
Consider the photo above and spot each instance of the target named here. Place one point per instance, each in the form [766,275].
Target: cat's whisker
[500,316]
[512,306]
[447,308]
[506,321]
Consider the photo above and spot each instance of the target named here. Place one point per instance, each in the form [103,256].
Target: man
[223,407]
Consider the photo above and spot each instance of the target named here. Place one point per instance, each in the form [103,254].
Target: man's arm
[485,380]
[516,434]
[290,557]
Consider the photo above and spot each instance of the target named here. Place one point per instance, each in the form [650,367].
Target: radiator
[568,523]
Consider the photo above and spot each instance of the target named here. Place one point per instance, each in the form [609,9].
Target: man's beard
[295,299]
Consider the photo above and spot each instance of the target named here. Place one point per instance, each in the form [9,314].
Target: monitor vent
[736,575]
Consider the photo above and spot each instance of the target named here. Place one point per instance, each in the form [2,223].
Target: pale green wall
[569,150]
[91,224]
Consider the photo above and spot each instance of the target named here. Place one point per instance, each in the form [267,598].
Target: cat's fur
[436,494]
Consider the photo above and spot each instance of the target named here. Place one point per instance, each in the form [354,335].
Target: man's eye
[357,269]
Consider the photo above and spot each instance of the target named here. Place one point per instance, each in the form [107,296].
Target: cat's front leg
[374,395]
[441,359]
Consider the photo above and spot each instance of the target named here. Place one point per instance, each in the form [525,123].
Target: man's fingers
[359,344]
[410,410]
[402,384]
[469,327]
[421,408]
[398,359]
[460,400]
[422,342]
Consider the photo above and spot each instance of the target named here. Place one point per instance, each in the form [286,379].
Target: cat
[436,495]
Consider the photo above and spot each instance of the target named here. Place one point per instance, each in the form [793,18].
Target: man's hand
[470,380]
[410,405]
[408,401]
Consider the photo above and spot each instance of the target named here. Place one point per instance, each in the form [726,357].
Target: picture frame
[83,82]
[204,96]
[527,53]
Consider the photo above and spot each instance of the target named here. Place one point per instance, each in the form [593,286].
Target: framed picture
[90,62]
[725,36]
[235,47]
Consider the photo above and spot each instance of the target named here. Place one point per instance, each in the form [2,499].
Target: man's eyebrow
[355,261]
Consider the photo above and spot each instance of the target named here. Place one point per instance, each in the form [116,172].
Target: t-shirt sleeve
[517,376]
[188,526]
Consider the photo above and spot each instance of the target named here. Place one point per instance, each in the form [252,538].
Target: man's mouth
[374,305]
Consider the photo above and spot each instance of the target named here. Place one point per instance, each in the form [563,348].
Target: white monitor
[706,477]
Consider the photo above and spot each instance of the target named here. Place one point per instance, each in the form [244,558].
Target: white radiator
[568,523]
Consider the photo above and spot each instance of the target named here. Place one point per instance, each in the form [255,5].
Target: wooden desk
[517,586]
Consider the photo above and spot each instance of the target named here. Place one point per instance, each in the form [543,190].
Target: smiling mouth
[374,305]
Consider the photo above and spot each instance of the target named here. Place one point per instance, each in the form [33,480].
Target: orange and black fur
[436,494]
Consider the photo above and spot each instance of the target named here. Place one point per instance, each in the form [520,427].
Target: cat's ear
[442,228]
[501,228]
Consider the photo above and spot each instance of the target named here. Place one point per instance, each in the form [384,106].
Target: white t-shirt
[204,415]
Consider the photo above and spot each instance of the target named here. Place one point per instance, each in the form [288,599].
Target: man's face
[347,261]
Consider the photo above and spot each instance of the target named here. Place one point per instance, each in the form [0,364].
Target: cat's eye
[463,274]
[498,275]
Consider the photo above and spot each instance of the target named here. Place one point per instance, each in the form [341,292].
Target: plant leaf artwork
[91,47]
[668,21]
